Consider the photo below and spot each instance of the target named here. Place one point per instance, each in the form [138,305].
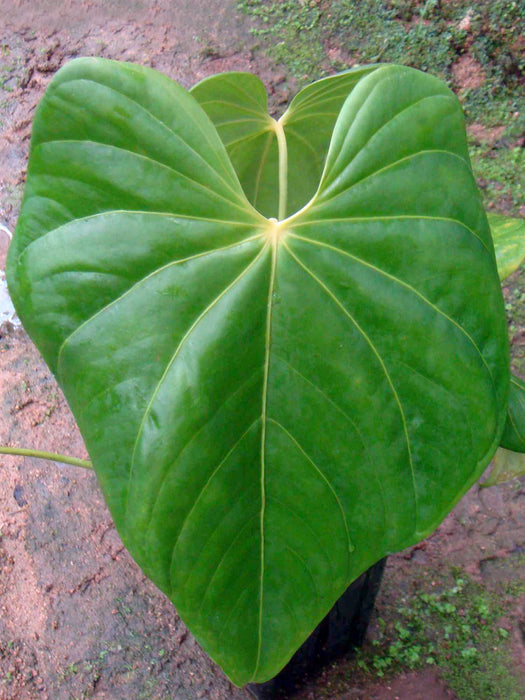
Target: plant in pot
[284,341]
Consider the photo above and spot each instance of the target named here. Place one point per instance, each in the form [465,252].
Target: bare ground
[77,617]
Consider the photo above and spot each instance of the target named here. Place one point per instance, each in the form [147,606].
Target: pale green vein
[307,569]
[206,132]
[236,86]
[242,108]
[313,114]
[157,163]
[454,399]
[139,212]
[242,141]
[224,627]
[342,156]
[299,629]
[407,286]
[289,130]
[238,535]
[346,189]
[383,367]
[347,418]
[186,446]
[164,126]
[394,217]
[341,87]
[179,347]
[264,409]
[142,281]
[204,489]
[305,524]
[326,481]
[246,495]
[283,169]
[246,120]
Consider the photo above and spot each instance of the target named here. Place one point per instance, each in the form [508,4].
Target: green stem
[21,452]
[283,169]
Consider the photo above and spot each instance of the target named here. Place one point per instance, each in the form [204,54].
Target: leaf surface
[513,437]
[270,407]
[237,104]
[509,242]
[508,465]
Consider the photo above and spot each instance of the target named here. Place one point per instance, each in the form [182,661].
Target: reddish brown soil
[426,685]
[77,617]
[468,73]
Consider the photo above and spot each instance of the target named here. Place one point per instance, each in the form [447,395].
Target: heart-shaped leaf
[270,406]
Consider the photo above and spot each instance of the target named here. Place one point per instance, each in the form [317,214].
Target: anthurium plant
[284,341]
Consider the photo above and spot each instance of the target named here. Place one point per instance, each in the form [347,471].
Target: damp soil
[78,619]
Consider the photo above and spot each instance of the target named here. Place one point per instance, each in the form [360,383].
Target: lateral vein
[383,367]
[175,355]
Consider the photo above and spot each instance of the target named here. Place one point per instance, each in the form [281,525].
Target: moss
[454,626]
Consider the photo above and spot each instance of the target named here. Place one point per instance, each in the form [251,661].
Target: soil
[78,619]
[467,73]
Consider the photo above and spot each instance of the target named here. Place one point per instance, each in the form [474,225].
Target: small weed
[455,628]
[71,670]
[375,30]
[499,172]
[122,608]
[515,307]
[291,30]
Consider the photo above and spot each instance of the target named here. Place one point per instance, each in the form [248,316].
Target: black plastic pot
[342,630]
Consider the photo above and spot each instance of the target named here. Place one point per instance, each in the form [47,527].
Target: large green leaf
[238,106]
[270,407]
[509,241]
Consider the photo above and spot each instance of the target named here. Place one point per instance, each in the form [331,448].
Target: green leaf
[509,242]
[237,104]
[508,465]
[270,406]
[513,437]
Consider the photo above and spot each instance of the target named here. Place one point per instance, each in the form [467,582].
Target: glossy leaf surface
[509,242]
[270,406]
[237,104]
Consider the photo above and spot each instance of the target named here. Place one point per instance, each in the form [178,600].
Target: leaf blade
[270,407]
